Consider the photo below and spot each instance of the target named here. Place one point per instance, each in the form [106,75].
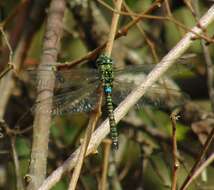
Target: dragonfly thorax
[104,64]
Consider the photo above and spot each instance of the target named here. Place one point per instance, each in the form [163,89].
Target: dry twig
[207,58]
[121,32]
[107,149]
[90,128]
[198,162]
[19,182]
[94,119]
[10,134]
[174,151]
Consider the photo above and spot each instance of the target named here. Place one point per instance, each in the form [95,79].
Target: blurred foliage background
[144,160]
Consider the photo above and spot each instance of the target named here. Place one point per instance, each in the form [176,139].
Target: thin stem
[124,31]
[10,63]
[8,132]
[208,60]
[202,167]
[148,41]
[107,149]
[8,45]
[90,128]
[146,16]
[198,162]
[19,182]
[6,70]
[121,32]
[113,29]
[174,151]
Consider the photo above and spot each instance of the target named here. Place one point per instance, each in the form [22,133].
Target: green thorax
[105,66]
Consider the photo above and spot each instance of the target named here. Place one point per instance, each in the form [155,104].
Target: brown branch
[94,119]
[10,62]
[207,58]
[121,32]
[107,149]
[174,151]
[169,18]
[112,33]
[94,30]
[10,134]
[90,129]
[28,16]
[14,12]
[198,161]
[51,45]
[147,40]
[202,167]
[19,182]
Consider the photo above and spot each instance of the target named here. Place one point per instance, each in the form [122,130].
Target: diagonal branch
[132,98]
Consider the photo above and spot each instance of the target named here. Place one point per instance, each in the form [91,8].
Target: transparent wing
[146,68]
[78,77]
[66,102]
[77,88]
[165,94]
[81,100]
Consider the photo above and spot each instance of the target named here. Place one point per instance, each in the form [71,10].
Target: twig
[202,167]
[169,18]
[26,28]
[8,45]
[124,30]
[7,81]
[121,32]
[90,128]
[208,60]
[6,70]
[190,7]
[51,45]
[8,132]
[92,124]
[14,12]
[148,41]
[158,172]
[174,151]
[170,15]
[131,99]
[19,183]
[125,13]
[198,162]
[113,29]
[114,182]
[107,149]
[98,31]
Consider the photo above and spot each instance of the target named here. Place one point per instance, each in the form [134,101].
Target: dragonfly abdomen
[104,64]
[112,123]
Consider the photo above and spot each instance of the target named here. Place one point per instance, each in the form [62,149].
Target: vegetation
[57,97]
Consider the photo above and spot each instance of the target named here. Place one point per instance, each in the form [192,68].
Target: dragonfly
[105,68]
[76,89]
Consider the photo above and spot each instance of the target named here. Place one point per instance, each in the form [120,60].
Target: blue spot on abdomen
[108,89]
